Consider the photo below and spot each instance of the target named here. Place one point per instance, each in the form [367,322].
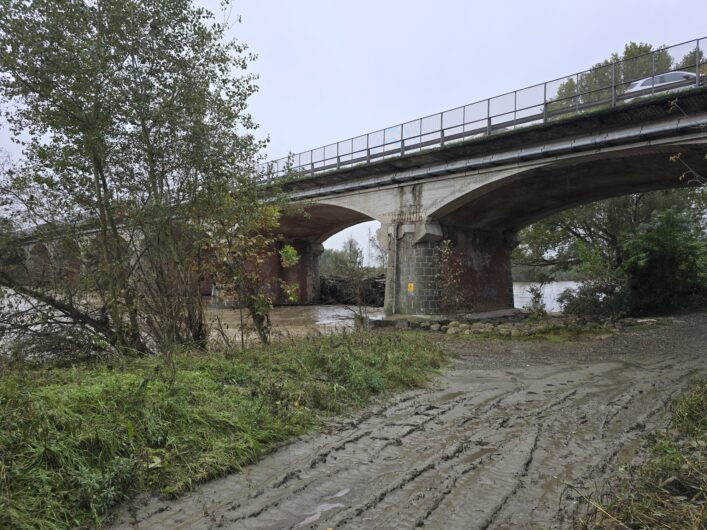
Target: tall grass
[76,441]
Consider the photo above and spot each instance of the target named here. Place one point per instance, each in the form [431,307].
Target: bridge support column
[436,268]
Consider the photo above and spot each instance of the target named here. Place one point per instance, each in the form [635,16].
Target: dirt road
[489,446]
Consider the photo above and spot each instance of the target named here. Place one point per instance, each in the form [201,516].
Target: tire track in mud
[599,457]
[426,413]
[347,430]
[486,448]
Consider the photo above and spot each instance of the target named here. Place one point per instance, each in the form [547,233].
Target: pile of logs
[344,290]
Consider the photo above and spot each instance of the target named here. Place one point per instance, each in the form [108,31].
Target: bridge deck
[600,122]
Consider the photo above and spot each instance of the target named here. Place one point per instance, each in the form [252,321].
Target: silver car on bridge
[669,81]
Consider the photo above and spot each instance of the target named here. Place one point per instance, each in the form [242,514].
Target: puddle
[449,396]
[318,511]
[478,454]
[338,494]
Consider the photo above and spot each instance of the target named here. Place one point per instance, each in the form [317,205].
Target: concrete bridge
[456,187]
[476,183]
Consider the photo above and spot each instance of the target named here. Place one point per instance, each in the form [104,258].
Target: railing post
[652,73]
[515,107]
[488,117]
[463,122]
[368,148]
[697,63]
[544,102]
[613,85]
[576,93]
[441,129]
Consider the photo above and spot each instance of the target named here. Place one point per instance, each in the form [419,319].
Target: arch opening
[309,230]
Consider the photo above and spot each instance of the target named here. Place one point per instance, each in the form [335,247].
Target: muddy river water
[293,321]
[304,320]
[491,443]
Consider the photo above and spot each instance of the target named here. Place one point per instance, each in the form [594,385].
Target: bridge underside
[528,196]
[460,258]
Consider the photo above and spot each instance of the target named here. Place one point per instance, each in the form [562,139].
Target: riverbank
[76,441]
[492,444]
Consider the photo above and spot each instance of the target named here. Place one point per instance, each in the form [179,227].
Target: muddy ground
[490,445]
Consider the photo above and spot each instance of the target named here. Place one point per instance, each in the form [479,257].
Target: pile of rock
[519,325]
[513,324]
[487,328]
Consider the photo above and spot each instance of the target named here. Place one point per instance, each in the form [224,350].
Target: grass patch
[559,335]
[568,335]
[76,441]
[669,490]
[648,326]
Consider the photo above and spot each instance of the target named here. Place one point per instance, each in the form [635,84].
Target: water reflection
[551,291]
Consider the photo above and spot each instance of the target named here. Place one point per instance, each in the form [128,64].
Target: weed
[669,490]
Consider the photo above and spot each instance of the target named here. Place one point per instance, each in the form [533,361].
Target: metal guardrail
[606,85]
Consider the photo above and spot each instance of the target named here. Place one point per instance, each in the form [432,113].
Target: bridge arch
[512,199]
[317,221]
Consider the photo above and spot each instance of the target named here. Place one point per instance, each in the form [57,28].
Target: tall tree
[136,116]
[342,262]
[378,249]
[638,62]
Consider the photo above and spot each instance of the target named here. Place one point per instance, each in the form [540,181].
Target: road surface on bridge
[489,445]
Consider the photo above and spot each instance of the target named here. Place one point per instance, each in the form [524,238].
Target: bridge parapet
[604,86]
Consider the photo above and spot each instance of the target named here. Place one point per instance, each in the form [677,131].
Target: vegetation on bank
[654,262]
[75,441]
[669,490]
[663,271]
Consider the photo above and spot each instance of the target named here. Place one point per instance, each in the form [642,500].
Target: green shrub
[601,298]
[664,270]
[536,307]
[666,267]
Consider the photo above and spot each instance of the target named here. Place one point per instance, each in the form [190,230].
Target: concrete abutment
[440,268]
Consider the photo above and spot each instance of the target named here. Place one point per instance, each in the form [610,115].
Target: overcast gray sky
[330,70]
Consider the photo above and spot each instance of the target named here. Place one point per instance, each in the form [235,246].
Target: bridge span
[469,179]
[476,184]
